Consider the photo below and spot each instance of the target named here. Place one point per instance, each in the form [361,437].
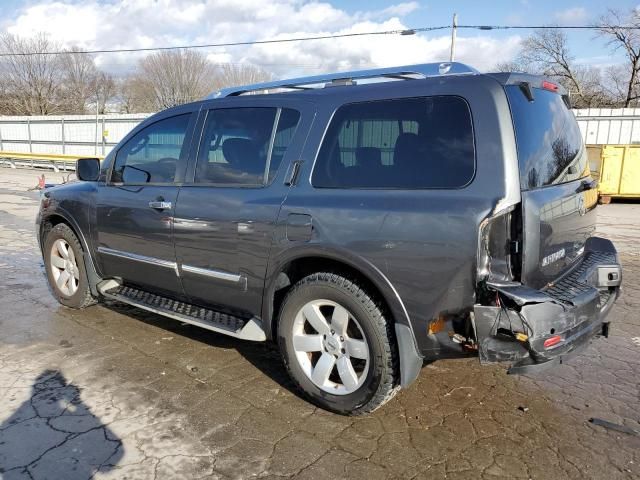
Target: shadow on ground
[262,355]
[53,434]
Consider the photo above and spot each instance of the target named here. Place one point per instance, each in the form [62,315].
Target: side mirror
[88,169]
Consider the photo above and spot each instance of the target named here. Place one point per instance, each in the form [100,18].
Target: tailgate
[556,224]
[558,194]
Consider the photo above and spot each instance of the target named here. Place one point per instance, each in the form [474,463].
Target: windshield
[550,148]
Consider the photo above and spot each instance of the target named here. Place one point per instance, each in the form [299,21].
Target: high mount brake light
[552,87]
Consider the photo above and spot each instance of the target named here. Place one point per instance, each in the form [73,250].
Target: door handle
[160,205]
[292,173]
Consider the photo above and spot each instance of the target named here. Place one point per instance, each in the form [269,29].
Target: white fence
[97,135]
[66,135]
[609,126]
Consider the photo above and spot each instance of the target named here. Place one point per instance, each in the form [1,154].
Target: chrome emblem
[554,257]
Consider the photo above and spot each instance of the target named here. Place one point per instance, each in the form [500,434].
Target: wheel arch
[49,221]
[298,263]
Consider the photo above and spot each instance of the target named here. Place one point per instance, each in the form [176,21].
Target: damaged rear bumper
[536,329]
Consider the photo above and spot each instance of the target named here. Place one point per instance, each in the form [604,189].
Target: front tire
[64,263]
[337,345]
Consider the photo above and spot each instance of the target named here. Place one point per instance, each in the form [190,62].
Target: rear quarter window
[549,143]
[408,143]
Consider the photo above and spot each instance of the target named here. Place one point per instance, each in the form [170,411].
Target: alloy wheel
[330,347]
[64,267]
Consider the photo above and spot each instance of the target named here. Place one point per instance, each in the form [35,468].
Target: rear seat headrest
[369,157]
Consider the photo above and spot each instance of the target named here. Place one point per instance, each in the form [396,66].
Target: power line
[230,44]
[408,31]
[547,27]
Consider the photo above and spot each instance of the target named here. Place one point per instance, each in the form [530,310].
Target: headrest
[407,147]
[369,157]
[240,151]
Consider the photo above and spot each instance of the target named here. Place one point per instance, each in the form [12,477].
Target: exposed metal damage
[534,329]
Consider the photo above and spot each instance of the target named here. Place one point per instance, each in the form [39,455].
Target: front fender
[53,210]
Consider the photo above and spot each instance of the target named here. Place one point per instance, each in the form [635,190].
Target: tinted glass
[153,154]
[287,126]
[550,148]
[235,145]
[410,143]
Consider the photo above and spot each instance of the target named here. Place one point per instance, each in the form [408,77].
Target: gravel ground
[110,392]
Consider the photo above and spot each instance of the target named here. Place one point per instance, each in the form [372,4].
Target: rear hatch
[558,194]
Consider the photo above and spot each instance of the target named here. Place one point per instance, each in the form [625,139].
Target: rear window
[410,143]
[550,148]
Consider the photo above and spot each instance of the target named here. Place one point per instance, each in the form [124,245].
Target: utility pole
[97,113]
[454,28]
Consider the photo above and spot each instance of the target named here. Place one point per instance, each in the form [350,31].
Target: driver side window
[153,154]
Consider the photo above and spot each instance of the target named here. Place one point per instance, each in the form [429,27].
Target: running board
[185,312]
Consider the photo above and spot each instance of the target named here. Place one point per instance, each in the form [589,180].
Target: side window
[153,154]
[410,143]
[244,146]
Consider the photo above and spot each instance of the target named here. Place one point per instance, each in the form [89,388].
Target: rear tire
[337,345]
[66,273]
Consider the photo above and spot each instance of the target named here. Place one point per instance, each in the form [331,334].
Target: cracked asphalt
[111,392]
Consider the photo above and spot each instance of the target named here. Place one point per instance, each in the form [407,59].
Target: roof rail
[398,73]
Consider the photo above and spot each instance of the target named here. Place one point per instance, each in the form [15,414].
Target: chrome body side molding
[140,258]
[218,274]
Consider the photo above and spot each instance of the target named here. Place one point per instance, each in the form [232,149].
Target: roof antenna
[454,29]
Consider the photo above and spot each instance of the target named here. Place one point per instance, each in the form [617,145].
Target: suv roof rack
[346,78]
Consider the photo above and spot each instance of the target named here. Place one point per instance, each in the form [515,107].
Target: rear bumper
[536,329]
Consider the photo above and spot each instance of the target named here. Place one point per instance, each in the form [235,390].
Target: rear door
[558,197]
[136,204]
[227,209]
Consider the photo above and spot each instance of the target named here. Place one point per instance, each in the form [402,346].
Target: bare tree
[627,40]
[514,66]
[135,95]
[105,90]
[175,77]
[231,75]
[30,77]
[547,52]
[79,80]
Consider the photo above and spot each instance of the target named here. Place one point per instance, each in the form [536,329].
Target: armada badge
[554,257]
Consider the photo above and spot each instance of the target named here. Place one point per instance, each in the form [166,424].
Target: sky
[107,24]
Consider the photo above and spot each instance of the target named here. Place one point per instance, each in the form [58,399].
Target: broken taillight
[552,341]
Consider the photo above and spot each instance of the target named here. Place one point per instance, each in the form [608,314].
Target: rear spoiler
[527,82]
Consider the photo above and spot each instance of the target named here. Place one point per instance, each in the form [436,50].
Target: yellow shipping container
[617,168]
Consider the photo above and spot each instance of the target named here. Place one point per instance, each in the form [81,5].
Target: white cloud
[399,10]
[95,24]
[571,16]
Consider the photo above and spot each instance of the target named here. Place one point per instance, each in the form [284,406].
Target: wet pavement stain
[158,399]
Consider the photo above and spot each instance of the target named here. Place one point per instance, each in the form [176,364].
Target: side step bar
[185,312]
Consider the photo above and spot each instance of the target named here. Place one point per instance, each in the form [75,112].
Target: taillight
[494,260]
[552,87]
[552,341]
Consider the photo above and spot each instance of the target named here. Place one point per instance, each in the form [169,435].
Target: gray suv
[365,221]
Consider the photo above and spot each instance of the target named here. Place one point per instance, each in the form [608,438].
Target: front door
[225,217]
[135,207]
